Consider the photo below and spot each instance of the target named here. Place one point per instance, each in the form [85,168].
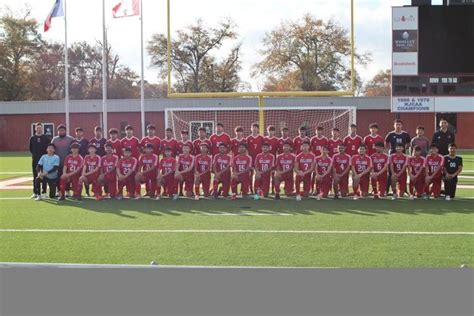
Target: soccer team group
[254,166]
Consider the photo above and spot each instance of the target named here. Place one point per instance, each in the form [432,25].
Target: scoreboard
[433,59]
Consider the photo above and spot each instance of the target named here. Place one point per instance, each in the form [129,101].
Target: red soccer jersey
[361,163]
[283,141]
[333,145]
[116,146]
[416,164]
[435,165]
[352,144]
[370,142]
[379,161]
[317,145]
[340,162]
[398,161]
[155,141]
[297,141]
[109,162]
[305,161]
[73,163]
[197,145]
[323,164]
[235,143]
[91,163]
[181,144]
[286,162]
[264,162]
[147,162]
[167,165]
[222,161]
[216,140]
[241,163]
[185,162]
[255,145]
[171,143]
[126,165]
[274,144]
[203,163]
[132,143]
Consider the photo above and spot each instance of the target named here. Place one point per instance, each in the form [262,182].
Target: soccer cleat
[44,195]
[336,197]
[298,197]
[256,197]
[233,197]
[356,197]
[61,198]
[318,197]
[394,196]
[33,196]
[277,196]
[38,198]
[119,197]
[448,198]
[376,197]
[196,198]
[175,197]
[412,197]
[158,197]
[99,197]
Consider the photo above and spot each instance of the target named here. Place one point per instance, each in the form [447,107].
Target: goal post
[191,119]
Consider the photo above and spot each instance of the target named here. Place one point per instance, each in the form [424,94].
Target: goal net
[191,119]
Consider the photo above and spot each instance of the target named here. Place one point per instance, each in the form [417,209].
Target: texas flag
[56,11]
[126,8]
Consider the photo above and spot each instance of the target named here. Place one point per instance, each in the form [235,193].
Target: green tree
[194,66]
[308,54]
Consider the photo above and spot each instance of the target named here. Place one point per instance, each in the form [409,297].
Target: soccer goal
[191,119]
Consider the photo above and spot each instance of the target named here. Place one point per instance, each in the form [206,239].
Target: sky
[254,18]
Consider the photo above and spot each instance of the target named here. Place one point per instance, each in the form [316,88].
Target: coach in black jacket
[443,137]
[38,144]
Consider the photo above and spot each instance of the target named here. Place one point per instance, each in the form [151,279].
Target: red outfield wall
[15,130]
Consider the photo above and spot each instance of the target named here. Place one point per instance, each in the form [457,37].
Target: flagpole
[142,81]
[66,70]
[104,72]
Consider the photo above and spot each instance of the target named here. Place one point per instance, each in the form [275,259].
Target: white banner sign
[405,18]
[412,104]
[405,64]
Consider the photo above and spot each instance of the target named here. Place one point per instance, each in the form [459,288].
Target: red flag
[126,8]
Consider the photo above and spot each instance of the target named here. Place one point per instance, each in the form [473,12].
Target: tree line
[308,54]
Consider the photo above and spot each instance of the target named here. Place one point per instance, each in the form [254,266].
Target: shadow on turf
[167,207]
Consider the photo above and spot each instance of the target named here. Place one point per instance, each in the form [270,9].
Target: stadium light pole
[142,82]
[66,71]
[104,71]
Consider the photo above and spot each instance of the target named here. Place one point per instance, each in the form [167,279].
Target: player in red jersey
[298,140]
[218,138]
[264,164]
[202,174]
[239,139]
[304,167]
[202,139]
[91,172]
[147,172]
[316,143]
[373,138]
[434,164]
[108,176]
[241,167]
[285,164]
[398,169]
[185,171]
[272,140]
[170,142]
[165,178]
[341,165]
[416,167]
[323,172]
[255,141]
[221,167]
[352,141]
[361,167]
[284,139]
[334,142]
[115,142]
[71,172]
[380,162]
[185,141]
[151,138]
[130,141]
[126,168]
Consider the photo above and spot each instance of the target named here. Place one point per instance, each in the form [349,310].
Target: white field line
[230,231]
[15,172]
[142,266]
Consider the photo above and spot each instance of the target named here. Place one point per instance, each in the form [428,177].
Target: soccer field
[285,233]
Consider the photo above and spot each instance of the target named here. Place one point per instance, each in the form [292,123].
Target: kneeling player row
[302,174]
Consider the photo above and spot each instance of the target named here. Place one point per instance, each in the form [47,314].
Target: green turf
[236,249]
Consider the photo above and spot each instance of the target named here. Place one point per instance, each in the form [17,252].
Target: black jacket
[443,139]
[38,145]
